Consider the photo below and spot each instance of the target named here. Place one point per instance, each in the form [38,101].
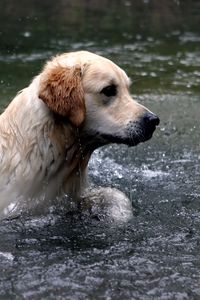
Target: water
[156,254]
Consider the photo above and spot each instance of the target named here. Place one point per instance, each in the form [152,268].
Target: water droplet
[153,74]
[26,34]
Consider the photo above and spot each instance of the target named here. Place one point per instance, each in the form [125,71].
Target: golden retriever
[79,102]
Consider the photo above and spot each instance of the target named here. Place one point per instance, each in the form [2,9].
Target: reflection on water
[156,254]
[85,21]
[157,42]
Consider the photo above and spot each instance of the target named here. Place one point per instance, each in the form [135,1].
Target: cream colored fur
[43,154]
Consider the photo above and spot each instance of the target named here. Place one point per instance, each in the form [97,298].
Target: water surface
[156,254]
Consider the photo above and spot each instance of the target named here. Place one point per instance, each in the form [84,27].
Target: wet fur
[50,129]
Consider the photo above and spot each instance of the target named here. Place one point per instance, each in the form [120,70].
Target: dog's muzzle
[141,130]
[134,133]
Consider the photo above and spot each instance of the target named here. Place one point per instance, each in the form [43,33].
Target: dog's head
[93,94]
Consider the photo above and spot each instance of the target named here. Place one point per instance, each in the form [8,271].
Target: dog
[79,102]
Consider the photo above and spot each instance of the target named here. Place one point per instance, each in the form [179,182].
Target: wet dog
[79,102]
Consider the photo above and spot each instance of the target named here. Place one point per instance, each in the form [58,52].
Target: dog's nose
[151,119]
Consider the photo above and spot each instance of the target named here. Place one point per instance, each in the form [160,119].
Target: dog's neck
[73,153]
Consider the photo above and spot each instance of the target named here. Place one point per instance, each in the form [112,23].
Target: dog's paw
[107,203]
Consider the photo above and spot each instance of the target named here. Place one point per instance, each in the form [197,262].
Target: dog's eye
[109,91]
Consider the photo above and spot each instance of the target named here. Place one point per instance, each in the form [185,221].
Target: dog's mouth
[131,141]
[134,134]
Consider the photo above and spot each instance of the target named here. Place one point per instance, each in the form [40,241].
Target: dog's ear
[61,89]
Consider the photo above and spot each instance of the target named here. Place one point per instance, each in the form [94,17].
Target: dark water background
[156,255]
